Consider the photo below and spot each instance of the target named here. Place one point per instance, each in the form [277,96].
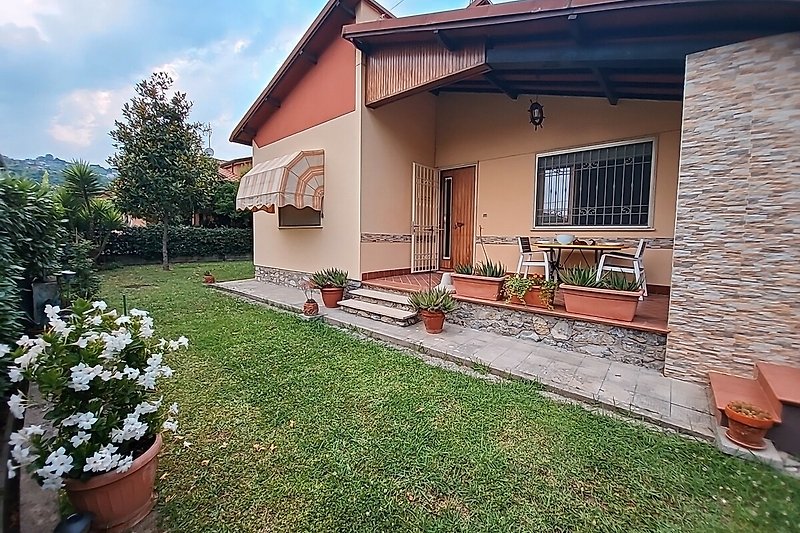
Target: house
[234,169]
[389,146]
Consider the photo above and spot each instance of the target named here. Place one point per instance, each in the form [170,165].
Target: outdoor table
[556,249]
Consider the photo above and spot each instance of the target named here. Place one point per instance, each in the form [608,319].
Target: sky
[68,66]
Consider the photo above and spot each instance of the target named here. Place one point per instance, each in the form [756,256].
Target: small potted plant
[614,296]
[432,305]
[484,281]
[331,283]
[535,291]
[97,373]
[310,307]
[747,424]
[208,277]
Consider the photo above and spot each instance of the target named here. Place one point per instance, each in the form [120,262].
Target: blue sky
[67,67]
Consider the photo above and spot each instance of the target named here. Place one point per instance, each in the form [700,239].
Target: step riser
[380,318]
[775,403]
[786,436]
[384,303]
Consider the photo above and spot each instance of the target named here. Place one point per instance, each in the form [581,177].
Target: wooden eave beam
[502,86]
[605,85]
[348,10]
[447,41]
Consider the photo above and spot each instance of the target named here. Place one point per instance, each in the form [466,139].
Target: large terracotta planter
[331,296]
[478,287]
[433,321]
[745,430]
[118,501]
[600,303]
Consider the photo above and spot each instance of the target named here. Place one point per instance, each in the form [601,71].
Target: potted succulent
[747,424]
[535,290]
[208,277]
[432,305]
[310,307]
[331,283]
[484,281]
[614,296]
[97,373]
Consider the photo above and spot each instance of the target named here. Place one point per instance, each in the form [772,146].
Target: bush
[184,241]
[76,256]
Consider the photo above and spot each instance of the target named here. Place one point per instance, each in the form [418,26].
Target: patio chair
[619,262]
[526,260]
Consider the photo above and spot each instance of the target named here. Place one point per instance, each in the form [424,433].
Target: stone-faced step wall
[600,340]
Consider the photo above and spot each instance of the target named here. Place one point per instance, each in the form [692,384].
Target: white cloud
[29,14]
[84,114]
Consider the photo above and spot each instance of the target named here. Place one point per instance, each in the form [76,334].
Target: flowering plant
[97,374]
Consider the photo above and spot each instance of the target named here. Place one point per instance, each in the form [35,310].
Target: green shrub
[490,269]
[76,256]
[464,269]
[331,277]
[435,299]
[184,241]
[579,276]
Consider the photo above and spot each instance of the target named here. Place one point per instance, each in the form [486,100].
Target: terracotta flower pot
[433,320]
[745,430]
[532,298]
[478,287]
[310,308]
[209,279]
[118,501]
[601,303]
[331,296]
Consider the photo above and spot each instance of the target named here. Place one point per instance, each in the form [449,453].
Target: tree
[88,214]
[159,157]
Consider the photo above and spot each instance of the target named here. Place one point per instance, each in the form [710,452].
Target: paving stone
[654,386]
[593,367]
[689,395]
[558,372]
[653,405]
[532,366]
[769,455]
[586,385]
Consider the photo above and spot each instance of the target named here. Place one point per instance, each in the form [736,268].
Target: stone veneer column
[736,266]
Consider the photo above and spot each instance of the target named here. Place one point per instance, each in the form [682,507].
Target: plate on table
[611,243]
[545,241]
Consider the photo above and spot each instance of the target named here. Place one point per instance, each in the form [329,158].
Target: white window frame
[651,202]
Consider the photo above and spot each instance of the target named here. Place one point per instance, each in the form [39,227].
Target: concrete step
[381,313]
[386,299]
[726,388]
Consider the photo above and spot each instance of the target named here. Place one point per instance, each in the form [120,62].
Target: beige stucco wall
[336,243]
[394,137]
[494,132]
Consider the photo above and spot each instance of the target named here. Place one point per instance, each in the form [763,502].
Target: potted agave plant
[483,281]
[97,373]
[432,305]
[535,291]
[331,283]
[747,424]
[613,296]
[310,307]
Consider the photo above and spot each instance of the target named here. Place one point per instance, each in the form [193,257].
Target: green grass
[295,426]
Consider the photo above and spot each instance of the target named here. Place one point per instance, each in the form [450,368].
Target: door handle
[459,225]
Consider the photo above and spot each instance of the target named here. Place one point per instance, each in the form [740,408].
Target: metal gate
[425,205]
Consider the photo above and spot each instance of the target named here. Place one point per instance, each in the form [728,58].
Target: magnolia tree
[163,172]
[97,373]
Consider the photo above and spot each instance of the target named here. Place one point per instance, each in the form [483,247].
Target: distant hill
[34,168]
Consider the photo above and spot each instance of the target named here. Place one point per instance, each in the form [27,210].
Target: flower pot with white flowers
[97,373]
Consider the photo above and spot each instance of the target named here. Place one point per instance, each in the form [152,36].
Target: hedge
[184,241]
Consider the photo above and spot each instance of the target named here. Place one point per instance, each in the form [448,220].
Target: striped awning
[296,179]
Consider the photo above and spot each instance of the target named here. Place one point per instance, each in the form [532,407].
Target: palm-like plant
[82,182]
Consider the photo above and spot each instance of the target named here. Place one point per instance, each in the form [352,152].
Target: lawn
[296,426]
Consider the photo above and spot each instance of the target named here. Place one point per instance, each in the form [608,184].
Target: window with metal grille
[598,186]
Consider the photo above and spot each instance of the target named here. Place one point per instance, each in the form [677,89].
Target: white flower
[95,320]
[17,405]
[52,483]
[183,341]
[81,438]
[124,319]
[22,455]
[146,408]
[103,460]
[86,420]
[52,311]
[12,469]
[106,375]
[5,349]
[138,312]
[146,329]
[15,374]
[26,341]
[58,463]
[101,305]
[31,430]
[131,373]
[166,371]
[124,464]
[173,408]
[170,424]
[35,348]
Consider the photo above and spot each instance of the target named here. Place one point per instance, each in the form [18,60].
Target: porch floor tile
[617,386]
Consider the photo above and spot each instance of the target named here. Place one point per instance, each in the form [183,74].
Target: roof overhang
[326,27]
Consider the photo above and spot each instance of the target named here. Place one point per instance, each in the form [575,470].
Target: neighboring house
[373,120]
[234,169]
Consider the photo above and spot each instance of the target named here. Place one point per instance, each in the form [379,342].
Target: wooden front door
[458,217]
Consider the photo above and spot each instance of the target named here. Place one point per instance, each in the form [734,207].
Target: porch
[651,316]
